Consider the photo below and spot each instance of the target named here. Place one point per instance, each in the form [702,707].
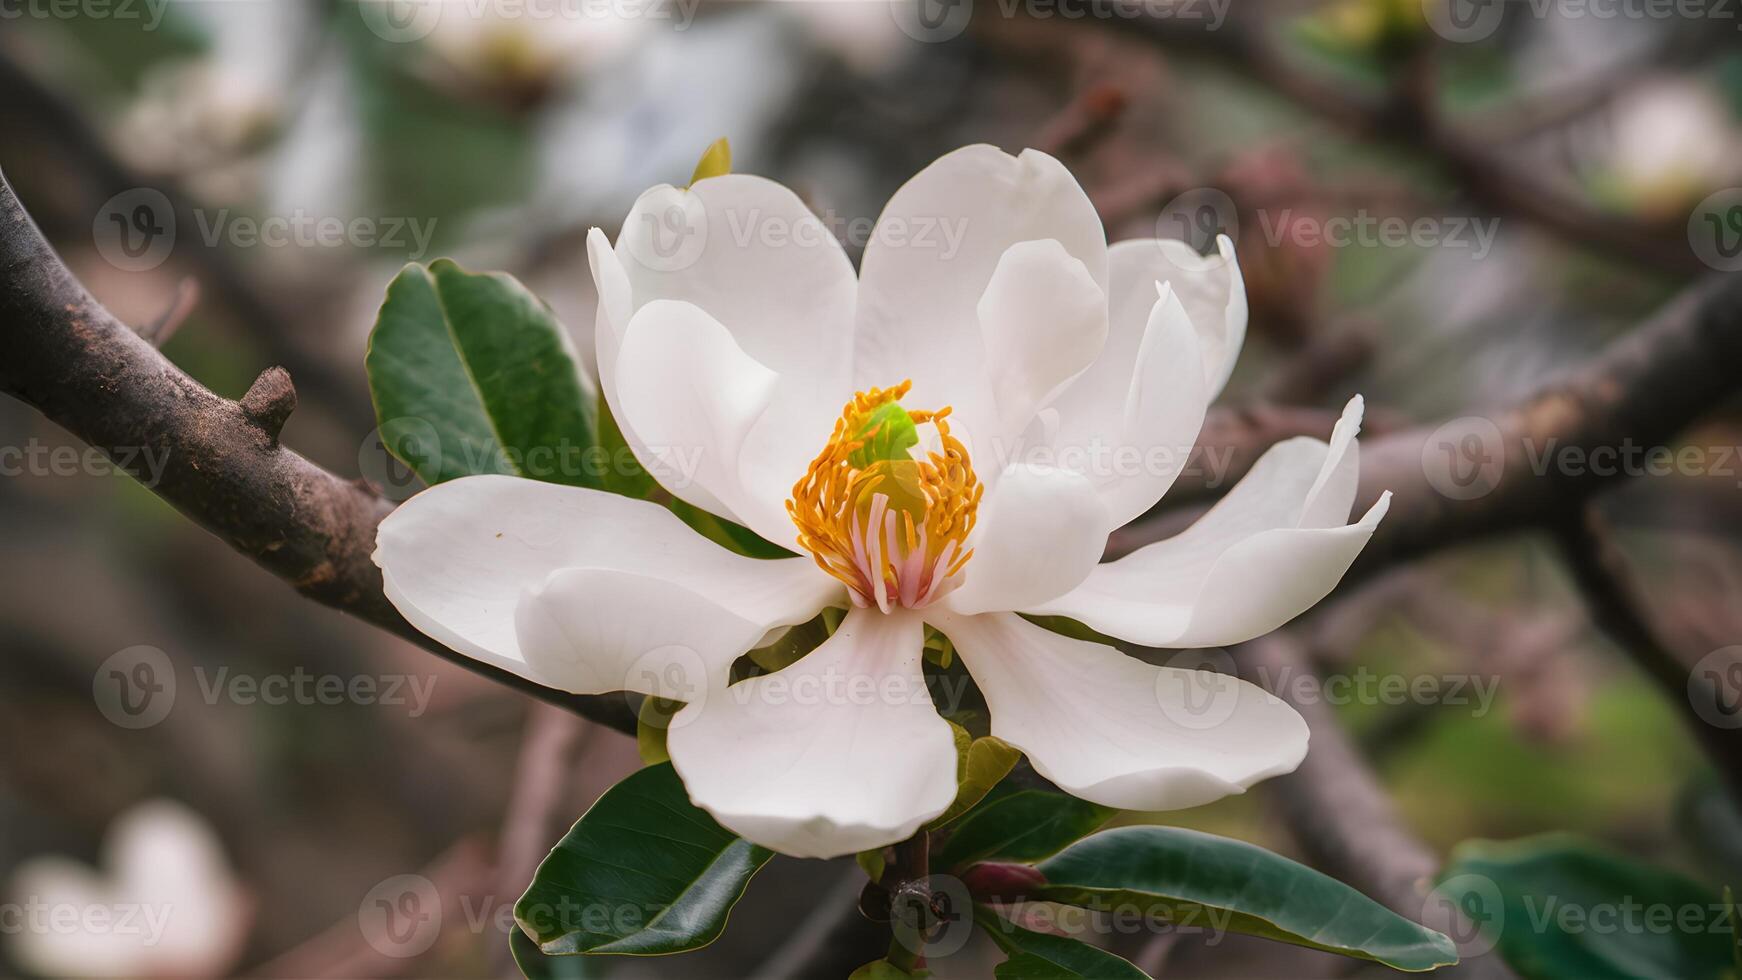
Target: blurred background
[1577,170]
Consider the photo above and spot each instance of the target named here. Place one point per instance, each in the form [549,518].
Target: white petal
[596,630]
[162,853]
[1163,412]
[1267,552]
[753,256]
[456,558]
[838,753]
[1210,287]
[1119,732]
[162,861]
[691,396]
[1043,320]
[931,256]
[616,307]
[1040,534]
[63,883]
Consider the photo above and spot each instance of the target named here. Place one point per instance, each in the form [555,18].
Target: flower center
[892,527]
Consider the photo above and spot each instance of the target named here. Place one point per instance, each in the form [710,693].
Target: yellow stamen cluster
[893,530]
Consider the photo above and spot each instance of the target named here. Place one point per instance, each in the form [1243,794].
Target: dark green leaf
[1200,880]
[1559,906]
[1017,825]
[479,364]
[534,965]
[1038,956]
[642,872]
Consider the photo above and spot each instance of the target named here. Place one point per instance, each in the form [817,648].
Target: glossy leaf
[981,763]
[1559,906]
[642,872]
[534,965]
[1017,825]
[1197,879]
[478,364]
[1039,956]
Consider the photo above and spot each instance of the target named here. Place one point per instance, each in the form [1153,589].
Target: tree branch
[1409,118]
[1639,392]
[1618,605]
[221,465]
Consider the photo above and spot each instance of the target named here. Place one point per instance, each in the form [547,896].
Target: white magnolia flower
[732,330]
[164,904]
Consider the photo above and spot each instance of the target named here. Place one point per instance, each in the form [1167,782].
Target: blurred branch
[1640,391]
[1340,815]
[64,354]
[1408,117]
[1619,606]
[22,93]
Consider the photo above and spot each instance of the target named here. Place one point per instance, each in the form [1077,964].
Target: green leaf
[1196,879]
[642,872]
[872,862]
[1559,906]
[981,763]
[479,364]
[885,970]
[623,472]
[652,720]
[792,645]
[1038,956]
[534,965]
[716,161]
[1018,825]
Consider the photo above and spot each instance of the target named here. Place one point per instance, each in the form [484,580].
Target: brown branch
[1338,812]
[1408,117]
[64,354]
[1619,606]
[1639,392]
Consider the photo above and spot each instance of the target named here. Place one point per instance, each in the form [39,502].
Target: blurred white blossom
[164,903]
